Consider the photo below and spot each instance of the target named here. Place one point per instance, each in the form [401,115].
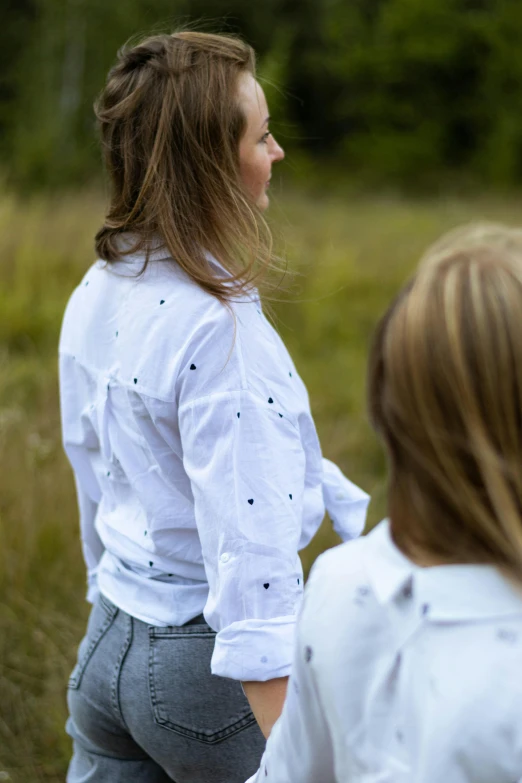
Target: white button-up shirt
[401,674]
[198,469]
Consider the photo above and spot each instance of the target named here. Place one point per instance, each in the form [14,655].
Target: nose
[278,152]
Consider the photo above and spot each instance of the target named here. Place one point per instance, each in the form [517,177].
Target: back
[403,674]
[121,355]
[198,467]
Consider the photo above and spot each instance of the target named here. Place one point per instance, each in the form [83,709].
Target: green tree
[395,90]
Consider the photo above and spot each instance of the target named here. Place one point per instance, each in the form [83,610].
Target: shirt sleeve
[246,465]
[80,440]
[299,749]
[345,502]
[92,546]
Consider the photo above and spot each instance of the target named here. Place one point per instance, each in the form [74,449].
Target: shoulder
[184,341]
[75,319]
[344,564]
[340,585]
[343,614]
[165,292]
[161,335]
[179,337]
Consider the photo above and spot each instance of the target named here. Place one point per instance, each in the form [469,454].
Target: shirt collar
[156,249]
[158,252]
[449,593]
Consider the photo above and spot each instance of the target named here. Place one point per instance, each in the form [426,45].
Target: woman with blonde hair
[409,646]
[197,465]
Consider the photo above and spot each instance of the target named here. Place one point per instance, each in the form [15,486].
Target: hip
[151,688]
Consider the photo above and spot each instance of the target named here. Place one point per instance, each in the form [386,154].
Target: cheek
[263,166]
[255,171]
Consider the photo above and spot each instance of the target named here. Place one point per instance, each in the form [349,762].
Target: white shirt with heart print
[198,469]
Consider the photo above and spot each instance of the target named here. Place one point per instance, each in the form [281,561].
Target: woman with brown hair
[409,646]
[197,465]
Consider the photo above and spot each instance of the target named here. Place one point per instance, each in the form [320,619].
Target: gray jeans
[144,707]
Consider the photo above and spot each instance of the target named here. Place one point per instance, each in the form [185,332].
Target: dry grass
[351,256]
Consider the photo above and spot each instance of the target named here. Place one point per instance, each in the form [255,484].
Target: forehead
[252,100]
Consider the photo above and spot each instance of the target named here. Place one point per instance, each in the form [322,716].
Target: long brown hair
[445,395]
[170,127]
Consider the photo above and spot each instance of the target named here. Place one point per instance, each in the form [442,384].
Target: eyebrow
[266,122]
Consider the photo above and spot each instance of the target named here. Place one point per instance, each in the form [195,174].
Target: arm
[246,465]
[247,479]
[299,749]
[81,444]
[266,700]
[92,546]
[229,461]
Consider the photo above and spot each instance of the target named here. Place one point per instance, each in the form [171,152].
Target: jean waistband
[198,620]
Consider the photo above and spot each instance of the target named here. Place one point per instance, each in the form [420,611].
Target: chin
[263,202]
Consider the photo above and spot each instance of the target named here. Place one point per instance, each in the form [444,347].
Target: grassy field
[350,256]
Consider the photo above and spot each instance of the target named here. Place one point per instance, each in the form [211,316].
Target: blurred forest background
[400,119]
[403,91]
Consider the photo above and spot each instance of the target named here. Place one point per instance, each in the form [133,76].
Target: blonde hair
[170,125]
[445,395]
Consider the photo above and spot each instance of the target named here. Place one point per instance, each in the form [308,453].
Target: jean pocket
[185,696]
[100,620]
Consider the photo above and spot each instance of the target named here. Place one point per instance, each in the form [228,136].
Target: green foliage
[424,87]
[396,91]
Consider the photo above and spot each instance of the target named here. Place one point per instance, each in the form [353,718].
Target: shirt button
[225,557]
[339,496]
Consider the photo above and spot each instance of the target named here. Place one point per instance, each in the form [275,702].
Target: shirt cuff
[345,502]
[256,650]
